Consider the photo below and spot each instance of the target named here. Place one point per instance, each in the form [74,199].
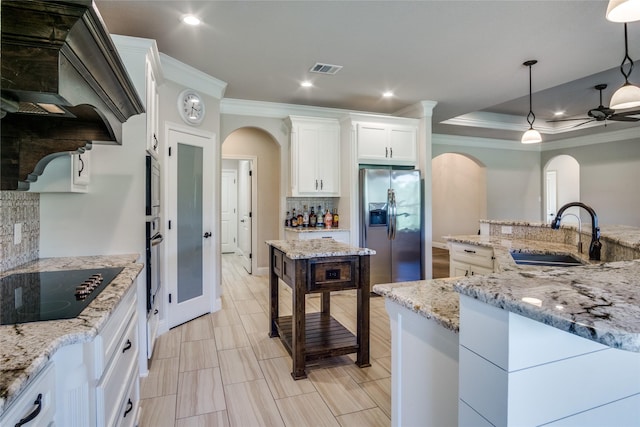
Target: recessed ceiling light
[558,113]
[306,83]
[190,20]
[387,94]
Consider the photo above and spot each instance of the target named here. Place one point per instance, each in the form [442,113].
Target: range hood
[64,86]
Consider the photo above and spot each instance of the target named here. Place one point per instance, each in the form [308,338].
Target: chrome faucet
[595,245]
[579,229]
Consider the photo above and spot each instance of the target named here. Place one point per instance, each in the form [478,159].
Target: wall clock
[191,107]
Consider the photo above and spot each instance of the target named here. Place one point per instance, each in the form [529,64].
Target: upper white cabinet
[315,156]
[65,174]
[153,138]
[388,144]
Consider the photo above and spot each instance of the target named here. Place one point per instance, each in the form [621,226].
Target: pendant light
[531,136]
[628,96]
[623,10]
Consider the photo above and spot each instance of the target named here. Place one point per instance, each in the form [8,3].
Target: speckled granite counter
[316,248]
[26,348]
[597,301]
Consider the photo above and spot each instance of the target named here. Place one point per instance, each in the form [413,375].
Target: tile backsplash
[17,207]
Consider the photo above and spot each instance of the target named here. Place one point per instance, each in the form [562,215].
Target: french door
[190,259]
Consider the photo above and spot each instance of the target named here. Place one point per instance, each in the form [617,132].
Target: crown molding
[418,110]
[497,144]
[600,138]
[190,77]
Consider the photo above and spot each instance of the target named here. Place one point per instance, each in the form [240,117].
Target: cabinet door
[327,161]
[477,270]
[402,145]
[153,145]
[308,138]
[458,269]
[372,142]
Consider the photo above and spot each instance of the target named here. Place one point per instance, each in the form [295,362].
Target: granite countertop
[314,229]
[317,248]
[26,348]
[597,301]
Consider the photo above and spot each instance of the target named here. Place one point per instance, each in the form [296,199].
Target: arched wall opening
[459,195]
[561,185]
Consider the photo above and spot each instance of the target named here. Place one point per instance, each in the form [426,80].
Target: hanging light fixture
[628,96]
[531,136]
[623,10]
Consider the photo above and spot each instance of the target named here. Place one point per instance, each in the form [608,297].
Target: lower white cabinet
[36,405]
[335,234]
[469,260]
[153,321]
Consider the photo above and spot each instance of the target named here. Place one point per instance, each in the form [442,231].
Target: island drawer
[472,254]
[332,274]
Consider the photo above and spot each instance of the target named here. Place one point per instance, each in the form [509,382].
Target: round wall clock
[191,107]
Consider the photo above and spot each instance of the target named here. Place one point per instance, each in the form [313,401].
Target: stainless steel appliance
[153,230]
[50,295]
[391,223]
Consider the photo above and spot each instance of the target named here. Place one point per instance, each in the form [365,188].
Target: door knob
[207,235]
[242,220]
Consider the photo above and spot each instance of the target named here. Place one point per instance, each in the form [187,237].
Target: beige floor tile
[248,306]
[369,418]
[374,372]
[255,322]
[158,411]
[225,317]
[306,410]
[265,347]
[251,404]
[167,345]
[162,379]
[197,329]
[380,392]
[277,372]
[238,365]
[200,392]
[196,355]
[385,362]
[232,336]
[212,419]
[341,393]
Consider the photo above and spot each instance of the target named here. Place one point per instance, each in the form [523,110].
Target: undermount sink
[542,259]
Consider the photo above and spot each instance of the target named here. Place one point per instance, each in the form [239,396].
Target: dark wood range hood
[63,86]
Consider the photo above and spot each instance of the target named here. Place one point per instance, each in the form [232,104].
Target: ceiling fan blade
[584,123]
[627,113]
[624,119]
[569,120]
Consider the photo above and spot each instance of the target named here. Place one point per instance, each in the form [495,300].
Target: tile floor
[222,369]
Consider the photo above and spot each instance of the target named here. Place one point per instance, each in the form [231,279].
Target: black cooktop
[51,295]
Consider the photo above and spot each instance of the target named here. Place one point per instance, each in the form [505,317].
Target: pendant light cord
[626,57]
[530,117]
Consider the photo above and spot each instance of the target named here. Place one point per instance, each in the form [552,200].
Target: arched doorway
[459,196]
[561,185]
[257,153]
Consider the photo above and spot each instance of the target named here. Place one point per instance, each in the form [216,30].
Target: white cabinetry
[152,97]
[315,156]
[335,234]
[469,260]
[387,144]
[36,405]
[65,174]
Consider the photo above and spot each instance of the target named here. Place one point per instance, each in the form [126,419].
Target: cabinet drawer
[113,386]
[332,275]
[277,262]
[109,337]
[43,385]
[472,254]
[130,409]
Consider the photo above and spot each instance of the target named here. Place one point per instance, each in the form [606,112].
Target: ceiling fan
[602,113]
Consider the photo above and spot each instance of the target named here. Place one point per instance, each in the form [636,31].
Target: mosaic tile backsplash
[17,207]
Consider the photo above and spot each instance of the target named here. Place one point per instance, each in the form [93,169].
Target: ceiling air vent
[325,68]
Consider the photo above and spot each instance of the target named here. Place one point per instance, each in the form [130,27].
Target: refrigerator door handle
[389,212]
[395,217]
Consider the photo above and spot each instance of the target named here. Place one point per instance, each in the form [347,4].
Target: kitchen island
[318,266]
[536,345]
[27,349]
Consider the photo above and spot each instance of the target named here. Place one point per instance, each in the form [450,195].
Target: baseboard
[439,245]
[262,271]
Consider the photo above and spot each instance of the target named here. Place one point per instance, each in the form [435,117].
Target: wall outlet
[17,233]
[506,229]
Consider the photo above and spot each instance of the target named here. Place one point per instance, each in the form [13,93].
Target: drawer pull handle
[33,414]
[469,251]
[129,408]
[155,311]
[127,346]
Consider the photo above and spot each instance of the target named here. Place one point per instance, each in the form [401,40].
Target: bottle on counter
[300,218]
[336,218]
[294,219]
[328,219]
[305,217]
[312,218]
[320,219]
[287,220]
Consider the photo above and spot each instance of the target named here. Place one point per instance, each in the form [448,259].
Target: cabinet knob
[207,235]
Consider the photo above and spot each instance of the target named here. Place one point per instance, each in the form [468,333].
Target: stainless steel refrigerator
[391,223]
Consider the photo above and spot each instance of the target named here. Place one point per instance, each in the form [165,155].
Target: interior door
[190,242]
[551,190]
[229,211]
[245,212]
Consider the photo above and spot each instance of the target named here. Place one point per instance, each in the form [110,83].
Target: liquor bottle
[320,220]
[300,218]
[336,218]
[294,219]
[312,218]
[305,217]
[328,219]
[287,220]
